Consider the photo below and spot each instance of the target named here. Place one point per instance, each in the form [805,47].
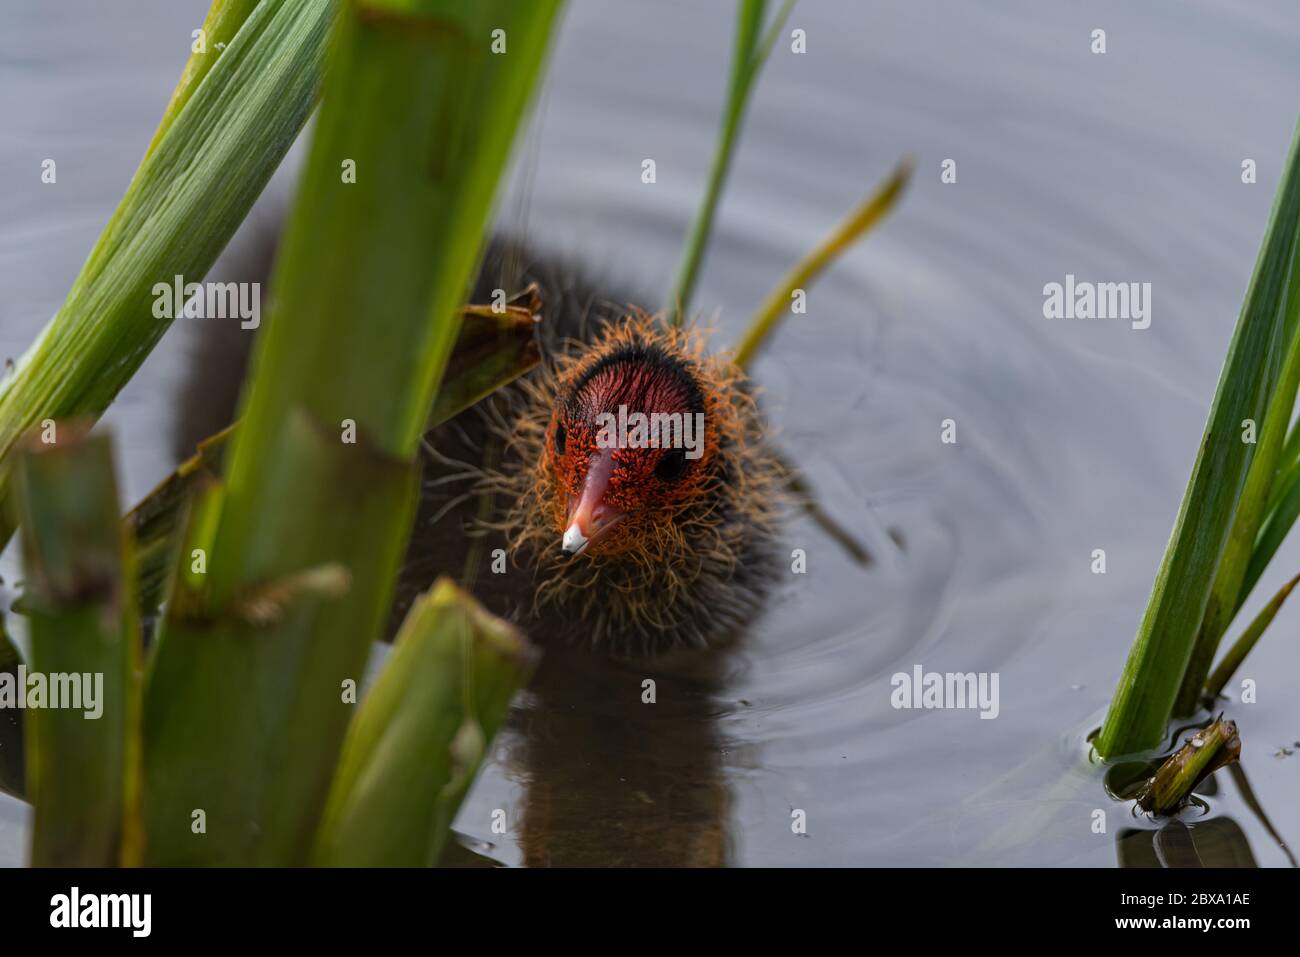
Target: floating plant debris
[1200,756]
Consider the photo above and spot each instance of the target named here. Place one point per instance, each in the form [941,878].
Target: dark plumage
[688,558]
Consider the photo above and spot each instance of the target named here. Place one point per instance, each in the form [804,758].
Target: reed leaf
[421,733]
[1276,527]
[854,226]
[749,52]
[245,721]
[231,121]
[1251,509]
[83,757]
[1287,460]
[1235,655]
[1152,676]
[220,27]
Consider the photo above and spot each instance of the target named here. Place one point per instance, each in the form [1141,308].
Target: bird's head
[631,442]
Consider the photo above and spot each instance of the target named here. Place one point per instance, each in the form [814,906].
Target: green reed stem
[421,733]
[246,700]
[748,54]
[83,756]
[491,350]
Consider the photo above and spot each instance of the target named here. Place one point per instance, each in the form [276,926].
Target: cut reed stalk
[83,753]
[421,733]
[1203,753]
[245,719]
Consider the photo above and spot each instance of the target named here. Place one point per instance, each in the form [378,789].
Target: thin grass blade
[1235,655]
[749,51]
[1276,527]
[856,225]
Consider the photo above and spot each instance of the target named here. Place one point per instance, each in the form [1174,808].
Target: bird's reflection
[621,764]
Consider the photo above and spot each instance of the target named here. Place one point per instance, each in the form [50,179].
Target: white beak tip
[574,541]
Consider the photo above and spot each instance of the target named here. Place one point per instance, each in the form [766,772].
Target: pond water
[1071,436]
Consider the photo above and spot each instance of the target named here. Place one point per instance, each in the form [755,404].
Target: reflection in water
[1248,797]
[1212,842]
[612,779]
[1193,838]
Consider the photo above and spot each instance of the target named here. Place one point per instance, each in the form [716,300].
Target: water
[1071,436]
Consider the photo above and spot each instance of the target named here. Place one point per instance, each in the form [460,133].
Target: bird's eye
[559,438]
[671,466]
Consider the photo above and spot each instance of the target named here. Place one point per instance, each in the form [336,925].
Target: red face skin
[608,499]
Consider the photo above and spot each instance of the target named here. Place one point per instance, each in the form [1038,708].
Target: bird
[529,499]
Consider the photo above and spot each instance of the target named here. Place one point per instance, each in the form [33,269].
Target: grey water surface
[1071,435]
